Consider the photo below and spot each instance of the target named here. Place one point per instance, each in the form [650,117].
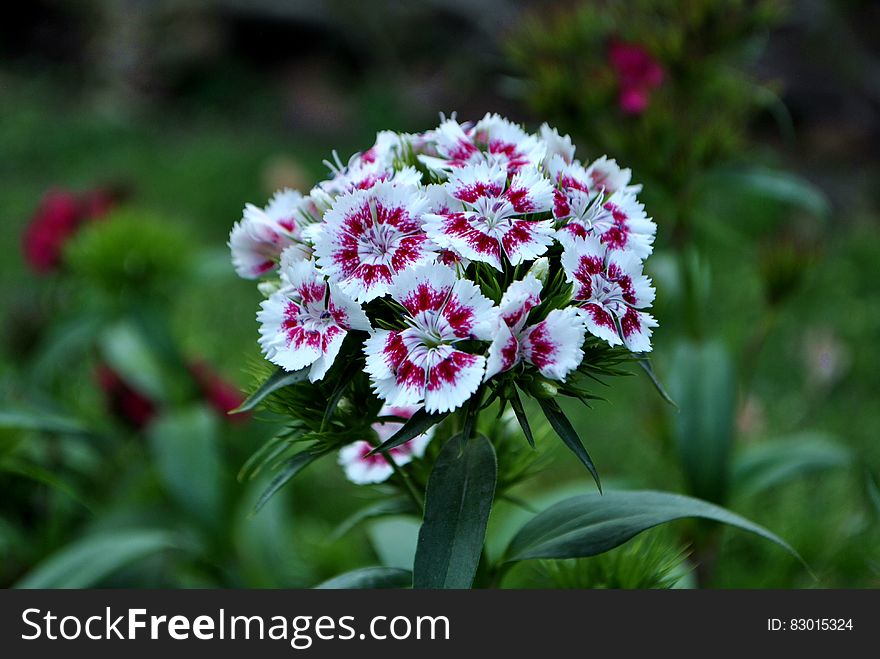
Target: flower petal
[625,226]
[636,328]
[605,173]
[460,233]
[256,243]
[600,323]
[518,300]
[554,345]
[504,352]
[397,379]
[527,240]
[583,259]
[360,467]
[530,192]
[452,379]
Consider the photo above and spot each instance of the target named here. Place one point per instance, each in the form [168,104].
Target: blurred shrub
[131,254]
[658,83]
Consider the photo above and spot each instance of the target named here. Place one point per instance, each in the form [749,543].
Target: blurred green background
[759,155]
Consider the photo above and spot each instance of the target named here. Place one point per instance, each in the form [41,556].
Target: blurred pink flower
[638,73]
[58,217]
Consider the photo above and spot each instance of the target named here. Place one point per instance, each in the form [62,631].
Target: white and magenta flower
[556,145]
[424,363]
[607,175]
[362,468]
[258,240]
[370,235]
[611,292]
[553,345]
[619,222]
[489,223]
[304,323]
[492,140]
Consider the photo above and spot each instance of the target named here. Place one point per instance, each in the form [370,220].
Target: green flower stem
[408,485]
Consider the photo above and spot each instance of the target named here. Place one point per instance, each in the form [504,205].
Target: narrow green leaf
[645,363]
[590,524]
[767,465]
[344,380]
[418,423]
[873,492]
[370,578]
[562,426]
[35,420]
[264,455]
[276,381]
[457,505]
[45,477]
[382,508]
[289,468]
[519,411]
[86,562]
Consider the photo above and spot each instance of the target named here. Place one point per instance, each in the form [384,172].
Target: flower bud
[542,388]
[540,269]
[266,288]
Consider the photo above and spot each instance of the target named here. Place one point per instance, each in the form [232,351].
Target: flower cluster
[459,257]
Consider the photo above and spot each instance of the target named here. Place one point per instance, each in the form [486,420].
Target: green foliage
[185,449]
[130,255]
[651,560]
[769,465]
[705,93]
[75,566]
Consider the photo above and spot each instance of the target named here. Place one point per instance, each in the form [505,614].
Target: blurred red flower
[58,217]
[638,74]
[127,404]
[222,395]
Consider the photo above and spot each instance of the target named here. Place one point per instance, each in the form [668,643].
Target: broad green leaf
[457,505]
[702,382]
[590,524]
[776,185]
[288,469]
[417,424]
[34,420]
[761,467]
[382,508]
[186,452]
[87,562]
[562,427]
[516,404]
[123,347]
[394,540]
[370,578]
[278,380]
